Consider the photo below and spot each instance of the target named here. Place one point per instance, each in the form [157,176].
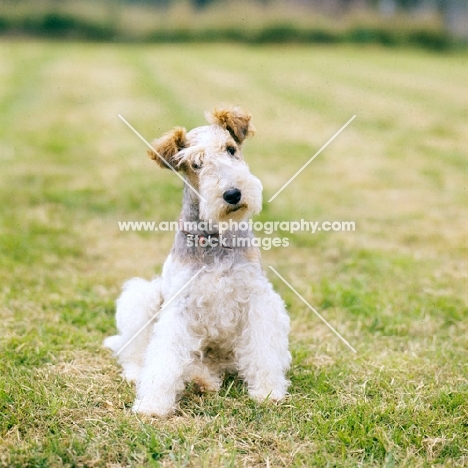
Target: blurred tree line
[438,24]
[455,12]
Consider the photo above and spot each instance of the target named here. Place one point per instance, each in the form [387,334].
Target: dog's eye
[231,150]
[196,166]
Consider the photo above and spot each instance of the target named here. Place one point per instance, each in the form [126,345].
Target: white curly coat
[229,318]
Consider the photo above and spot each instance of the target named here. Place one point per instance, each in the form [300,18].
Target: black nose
[232,196]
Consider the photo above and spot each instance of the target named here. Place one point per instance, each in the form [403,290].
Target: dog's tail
[114,343]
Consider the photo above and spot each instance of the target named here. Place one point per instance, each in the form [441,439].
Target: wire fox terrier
[227,319]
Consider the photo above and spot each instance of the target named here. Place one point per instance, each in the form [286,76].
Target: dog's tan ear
[234,120]
[166,147]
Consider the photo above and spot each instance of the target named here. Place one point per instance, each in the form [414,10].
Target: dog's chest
[218,304]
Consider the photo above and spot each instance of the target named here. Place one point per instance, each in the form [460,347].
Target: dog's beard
[221,211]
[216,209]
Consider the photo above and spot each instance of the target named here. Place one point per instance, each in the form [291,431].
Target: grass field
[396,288]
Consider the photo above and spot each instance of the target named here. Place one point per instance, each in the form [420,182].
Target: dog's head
[212,161]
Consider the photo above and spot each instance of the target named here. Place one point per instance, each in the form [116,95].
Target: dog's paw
[262,395]
[203,385]
[131,372]
[152,408]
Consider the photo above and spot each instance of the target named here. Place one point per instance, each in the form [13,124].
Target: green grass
[396,288]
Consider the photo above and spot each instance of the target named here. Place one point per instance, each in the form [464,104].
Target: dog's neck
[191,208]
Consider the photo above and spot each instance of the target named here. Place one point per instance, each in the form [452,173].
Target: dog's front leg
[166,361]
[263,355]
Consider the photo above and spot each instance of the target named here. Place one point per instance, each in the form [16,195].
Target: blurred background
[396,288]
[437,24]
